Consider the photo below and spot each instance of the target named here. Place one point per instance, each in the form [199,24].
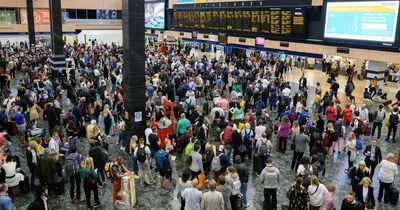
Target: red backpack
[347,116]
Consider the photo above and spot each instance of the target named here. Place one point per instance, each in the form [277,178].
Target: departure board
[215,20]
[222,20]
[196,19]
[230,20]
[203,20]
[255,21]
[298,21]
[274,21]
[209,22]
[238,21]
[265,22]
[246,17]
[286,22]
[191,19]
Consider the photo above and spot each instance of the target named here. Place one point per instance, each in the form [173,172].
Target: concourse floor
[154,198]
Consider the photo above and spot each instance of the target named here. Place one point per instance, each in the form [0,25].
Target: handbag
[293,145]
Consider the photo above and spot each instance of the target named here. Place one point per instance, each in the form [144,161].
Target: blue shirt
[19,118]
[6,203]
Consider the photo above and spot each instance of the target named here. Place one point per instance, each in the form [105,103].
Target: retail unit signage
[186,4]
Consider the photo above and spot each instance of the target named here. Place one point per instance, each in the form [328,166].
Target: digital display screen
[154,15]
[246,17]
[238,21]
[260,41]
[278,21]
[362,20]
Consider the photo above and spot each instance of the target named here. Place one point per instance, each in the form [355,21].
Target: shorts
[167,174]
[21,129]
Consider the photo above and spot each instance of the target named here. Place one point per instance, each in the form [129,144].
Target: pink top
[284,130]
[327,202]
[224,104]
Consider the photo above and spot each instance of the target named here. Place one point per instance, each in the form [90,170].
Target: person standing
[329,198]
[269,177]
[212,200]
[365,192]
[393,122]
[387,172]
[119,170]
[373,156]
[89,176]
[380,117]
[5,200]
[316,192]
[142,154]
[263,149]
[351,150]
[196,166]
[226,191]
[350,202]
[360,173]
[32,160]
[300,142]
[243,173]
[192,196]
[40,202]
[21,125]
[298,196]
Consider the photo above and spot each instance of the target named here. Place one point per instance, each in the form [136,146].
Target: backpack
[307,177]
[190,147]
[272,87]
[380,116]
[293,116]
[216,163]
[141,154]
[208,156]
[394,119]
[263,148]
[242,150]
[303,117]
[351,173]
[71,164]
[108,170]
[161,159]
[338,128]
[247,137]
[348,116]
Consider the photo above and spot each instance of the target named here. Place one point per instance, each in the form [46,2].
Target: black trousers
[88,189]
[371,165]
[75,182]
[270,201]
[379,126]
[392,128]
[296,160]
[384,187]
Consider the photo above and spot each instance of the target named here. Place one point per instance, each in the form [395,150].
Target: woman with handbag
[351,150]
[316,192]
[89,177]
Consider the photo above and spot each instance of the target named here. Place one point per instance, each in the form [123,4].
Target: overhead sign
[138,116]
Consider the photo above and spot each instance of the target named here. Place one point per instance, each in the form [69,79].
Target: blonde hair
[134,139]
[285,120]
[365,179]
[352,136]
[33,145]
[330,127]
[362,163]
[295,124]
[390,157]
[331,188]
[88,163]
[314,180]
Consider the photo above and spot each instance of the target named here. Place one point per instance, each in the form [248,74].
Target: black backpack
[141,154]
[394,119]
[246,138]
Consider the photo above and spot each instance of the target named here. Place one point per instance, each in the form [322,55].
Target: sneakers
[136,176]
[77,201]
[96,205]
[246,205]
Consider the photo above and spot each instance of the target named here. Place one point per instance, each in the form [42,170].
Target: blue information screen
[362,20]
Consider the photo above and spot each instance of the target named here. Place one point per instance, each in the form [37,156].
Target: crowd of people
[236,117]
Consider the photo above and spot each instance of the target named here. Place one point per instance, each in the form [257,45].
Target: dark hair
[40,191]
[305,160]
[185,175]
[74,149]
[196,147]
[299,183]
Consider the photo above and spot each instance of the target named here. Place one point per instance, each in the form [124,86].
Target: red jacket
[331,113]
[347,115]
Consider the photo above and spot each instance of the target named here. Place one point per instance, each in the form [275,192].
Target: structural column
[134,65]
[57,45]
[375,69]
[31,22]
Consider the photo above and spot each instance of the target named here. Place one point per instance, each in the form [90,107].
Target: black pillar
[31,22]
[133,68]
[57,45]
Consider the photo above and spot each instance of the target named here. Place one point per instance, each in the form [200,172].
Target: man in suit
[40,202]
[373,156]
[302,82]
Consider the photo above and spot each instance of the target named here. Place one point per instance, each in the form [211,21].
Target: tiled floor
[154,198]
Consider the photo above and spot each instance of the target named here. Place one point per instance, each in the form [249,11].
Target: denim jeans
[121,140]
[243,190]
[228,150]
[135,166]
[75,183]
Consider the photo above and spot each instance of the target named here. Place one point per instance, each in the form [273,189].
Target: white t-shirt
[147,132]
[259,130]
[388,171]
[301,169]
[286,92]
[54,145]
[316,195]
